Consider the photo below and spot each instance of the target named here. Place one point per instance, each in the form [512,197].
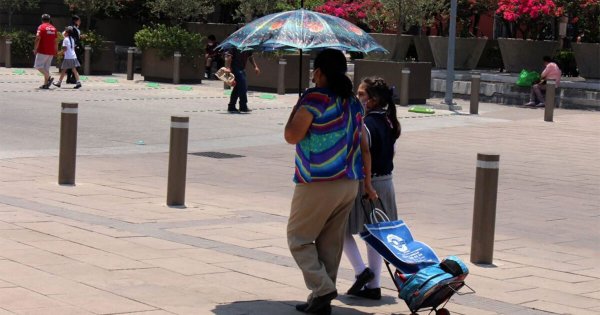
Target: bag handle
[377,215]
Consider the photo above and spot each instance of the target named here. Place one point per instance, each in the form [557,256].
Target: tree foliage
[89,8]
[180,11]
[12,6]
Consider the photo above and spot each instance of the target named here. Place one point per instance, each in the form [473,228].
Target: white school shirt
[69,45]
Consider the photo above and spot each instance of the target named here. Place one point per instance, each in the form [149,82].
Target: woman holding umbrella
[326,125]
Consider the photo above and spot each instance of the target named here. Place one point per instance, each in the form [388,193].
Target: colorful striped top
[331,148]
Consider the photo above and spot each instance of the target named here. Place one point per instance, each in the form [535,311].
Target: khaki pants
[315,230]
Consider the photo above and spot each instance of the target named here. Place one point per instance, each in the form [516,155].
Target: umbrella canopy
[304,30]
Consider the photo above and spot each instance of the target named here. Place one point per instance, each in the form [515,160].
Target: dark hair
[333,65]
[212,37]
[45,17]
[547,59]
[69,30]
[379,91]
[75,18]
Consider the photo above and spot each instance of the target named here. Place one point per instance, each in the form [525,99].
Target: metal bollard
[281,77]
[404,85]
[68,144]
[550,100]
[7,53]
[177,161]
[484,208]
[176,65]
[87,60]
[475,85]
[130,59]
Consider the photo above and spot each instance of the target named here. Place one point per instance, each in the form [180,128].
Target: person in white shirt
[70,58]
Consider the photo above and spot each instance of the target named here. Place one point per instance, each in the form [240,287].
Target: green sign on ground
[184,88]
[421,110]
[267,96]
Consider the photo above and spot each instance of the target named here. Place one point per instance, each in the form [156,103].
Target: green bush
[168,40]
[22,44]
[567,64]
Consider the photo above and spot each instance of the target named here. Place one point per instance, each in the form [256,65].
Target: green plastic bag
[527,78]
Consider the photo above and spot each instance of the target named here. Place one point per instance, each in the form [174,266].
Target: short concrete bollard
[176,67]
[281,77]
[484,208]
[177,161]
[87,60]
[404,85]
[68,144]
[475,85]
[7,53]
[550,100]
[130,60]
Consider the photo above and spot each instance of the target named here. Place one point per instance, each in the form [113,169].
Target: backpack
[418,286]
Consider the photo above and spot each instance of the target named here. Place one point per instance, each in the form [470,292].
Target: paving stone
[16,299]
[103,303]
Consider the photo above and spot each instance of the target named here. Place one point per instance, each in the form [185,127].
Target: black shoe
[78,85]
[245,110]
[44,87]
[233,110]
[304,308]
[320,305]
[49,82]
[372,294]
[362,279]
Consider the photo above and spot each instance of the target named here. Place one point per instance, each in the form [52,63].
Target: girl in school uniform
[70,58]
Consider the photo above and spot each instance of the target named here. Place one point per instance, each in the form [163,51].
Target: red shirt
[47,34]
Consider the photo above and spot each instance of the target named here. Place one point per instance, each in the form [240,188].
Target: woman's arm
[297,125]
[366,155]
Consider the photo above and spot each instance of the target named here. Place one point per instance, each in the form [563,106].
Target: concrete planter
[2,49]
[391,72]
[269,78]
[518,54]
[221,31]
[423,49]
[468,52]
[396,45]
[158,69]
[587,56]
[103,61]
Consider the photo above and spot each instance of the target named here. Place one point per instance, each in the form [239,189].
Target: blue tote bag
[394,242]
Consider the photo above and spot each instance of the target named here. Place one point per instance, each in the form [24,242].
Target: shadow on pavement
[262,307]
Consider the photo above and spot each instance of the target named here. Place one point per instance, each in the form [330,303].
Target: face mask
[364,102]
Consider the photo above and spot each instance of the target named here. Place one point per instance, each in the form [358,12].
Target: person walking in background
[551,72]
[235,62]
[77,37]
[70,59]
[383,128]
[45,49]
[212,55]
[326,125]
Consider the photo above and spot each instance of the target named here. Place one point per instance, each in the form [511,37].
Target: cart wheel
[442,311]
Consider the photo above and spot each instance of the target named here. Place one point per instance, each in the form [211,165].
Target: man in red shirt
[45,49]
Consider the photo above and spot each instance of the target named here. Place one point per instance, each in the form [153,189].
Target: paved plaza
[110,245]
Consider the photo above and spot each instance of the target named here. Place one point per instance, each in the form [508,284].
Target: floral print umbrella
[304,30]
